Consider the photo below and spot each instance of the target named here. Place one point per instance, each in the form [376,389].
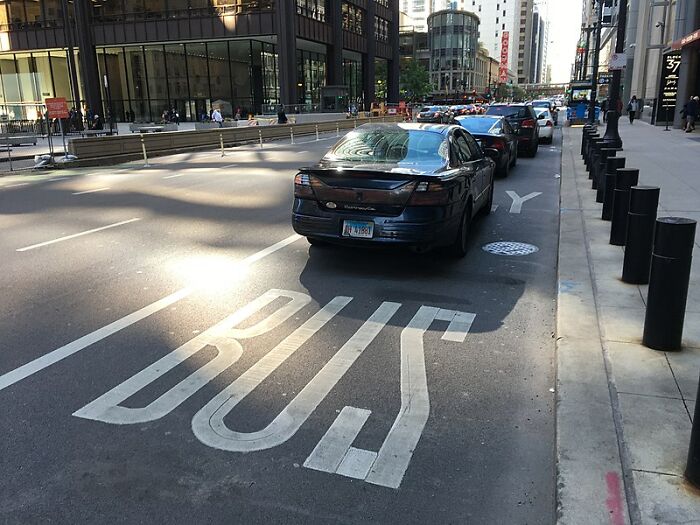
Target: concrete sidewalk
[624,412]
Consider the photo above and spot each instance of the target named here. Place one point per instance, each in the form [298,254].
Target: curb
[590,483]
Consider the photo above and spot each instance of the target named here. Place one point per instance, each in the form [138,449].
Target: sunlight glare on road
[209,273]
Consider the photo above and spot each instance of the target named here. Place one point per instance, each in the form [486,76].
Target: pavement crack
[675,380]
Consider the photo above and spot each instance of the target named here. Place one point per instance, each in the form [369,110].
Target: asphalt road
[187,359]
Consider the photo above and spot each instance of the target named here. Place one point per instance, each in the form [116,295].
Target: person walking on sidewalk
[691,113]
[632,108]
[604,109]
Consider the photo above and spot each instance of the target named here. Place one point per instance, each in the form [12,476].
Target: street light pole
[612,133]
[596,60]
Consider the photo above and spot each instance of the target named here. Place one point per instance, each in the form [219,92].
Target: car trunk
[363,192]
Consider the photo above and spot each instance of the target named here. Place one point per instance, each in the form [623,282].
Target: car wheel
[313,241]
[505,170]
[533,148]
[459,246]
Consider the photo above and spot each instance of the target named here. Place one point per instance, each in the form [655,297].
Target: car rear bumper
[546,132]
[416,226]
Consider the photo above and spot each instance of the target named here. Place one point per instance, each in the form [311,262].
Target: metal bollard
[668,283]
[588,131]
[594,157]
[692,467]
[143,148]
[317,132]
[589,147]
[260,137]
[625,178]
[291,134]
[599,175]
[609,185]
[221,139]
[644,200]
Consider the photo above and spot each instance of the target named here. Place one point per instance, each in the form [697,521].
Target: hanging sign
[503,67]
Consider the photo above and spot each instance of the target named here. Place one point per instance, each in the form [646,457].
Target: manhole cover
[510,248]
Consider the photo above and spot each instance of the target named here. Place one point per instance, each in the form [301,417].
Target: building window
[315,9]
[385,3]
[381,29]
[353,18]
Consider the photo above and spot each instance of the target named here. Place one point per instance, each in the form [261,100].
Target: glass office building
[453,39]
[142,58]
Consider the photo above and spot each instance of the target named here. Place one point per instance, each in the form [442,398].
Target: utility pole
[612,134]
[594,76]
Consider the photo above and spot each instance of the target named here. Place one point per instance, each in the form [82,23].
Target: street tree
[415,81]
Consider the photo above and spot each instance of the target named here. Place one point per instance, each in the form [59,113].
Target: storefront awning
[687,40]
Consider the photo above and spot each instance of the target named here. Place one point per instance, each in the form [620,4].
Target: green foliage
[414,81]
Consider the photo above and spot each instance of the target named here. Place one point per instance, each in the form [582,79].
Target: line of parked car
[417,185]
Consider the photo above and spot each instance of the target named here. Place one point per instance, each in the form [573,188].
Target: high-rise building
[538,45]
[136,58]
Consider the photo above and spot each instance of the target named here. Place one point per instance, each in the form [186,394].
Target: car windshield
[481,124]
[393,146]
[542,111]
[432,109]
[508,111]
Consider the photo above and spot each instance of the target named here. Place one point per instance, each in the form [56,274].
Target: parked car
[395,184]
[435,114]
[546,123]
[524,122]
[458,110]
[495,133]
[548,104]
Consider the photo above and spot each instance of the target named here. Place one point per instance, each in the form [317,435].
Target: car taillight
[302,186]
[498,144]
[528,123]
[437,113]
[429,194]
[549,124]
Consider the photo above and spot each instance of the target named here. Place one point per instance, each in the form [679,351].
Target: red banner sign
[57,107]
[503,67]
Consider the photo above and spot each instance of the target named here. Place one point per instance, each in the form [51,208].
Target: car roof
[443,129]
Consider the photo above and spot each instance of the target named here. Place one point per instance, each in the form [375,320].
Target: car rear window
[390,146]
[432,109]
[508,111]
[480,125]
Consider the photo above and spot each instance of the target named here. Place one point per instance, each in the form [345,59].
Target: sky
[564,31]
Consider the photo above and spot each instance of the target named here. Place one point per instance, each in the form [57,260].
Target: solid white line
[229,166]
[173,176]
[67,237]
[38,364]
[90,191]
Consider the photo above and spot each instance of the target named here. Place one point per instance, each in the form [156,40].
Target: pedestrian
[281,117]
[691,113]
[632,108]
[217,117]
[237,116]
[604,109]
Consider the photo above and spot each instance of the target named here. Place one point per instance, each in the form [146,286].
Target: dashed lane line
[90,191]
[73,236]
[40,363]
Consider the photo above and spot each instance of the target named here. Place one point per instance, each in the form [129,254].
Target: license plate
[359,229]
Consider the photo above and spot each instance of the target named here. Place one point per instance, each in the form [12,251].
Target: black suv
[524,122]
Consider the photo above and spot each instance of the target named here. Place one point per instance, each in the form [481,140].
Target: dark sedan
[495,133]
[411,184]
[435,115]
[524,121]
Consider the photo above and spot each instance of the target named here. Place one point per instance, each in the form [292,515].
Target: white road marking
[334,452]
[222,336]
[174,176]
[208,424]
[40,363]
[494,207]
[337,441]
[68,237]
[57,179]
[229,166]
[16,185]
[518,201]
[90,191]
